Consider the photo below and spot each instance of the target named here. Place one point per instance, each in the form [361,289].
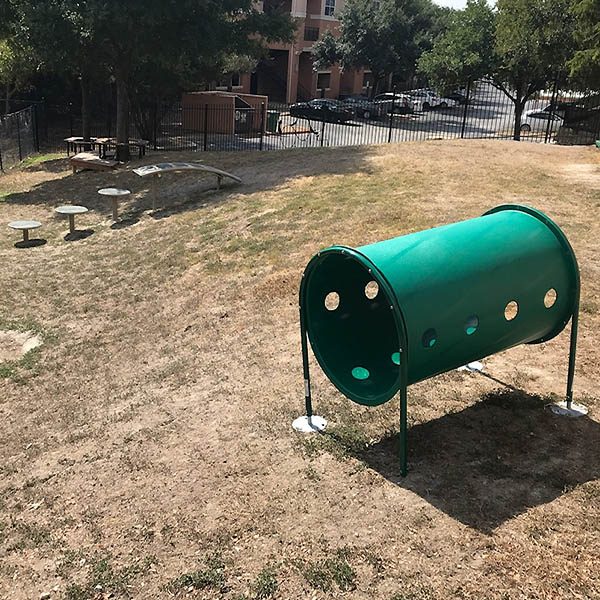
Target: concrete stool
[114,194]
[24,226]
[71,211]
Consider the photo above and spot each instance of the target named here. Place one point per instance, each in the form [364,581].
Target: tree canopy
[585,64]
[143,44]
[386,37]
[521,47]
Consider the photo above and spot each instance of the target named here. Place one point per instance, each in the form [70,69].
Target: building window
[231,81]
[329,8]
[323,81]
[367,79]
[311,34]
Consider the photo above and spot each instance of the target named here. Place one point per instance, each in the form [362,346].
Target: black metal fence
[19,136]
[478,111]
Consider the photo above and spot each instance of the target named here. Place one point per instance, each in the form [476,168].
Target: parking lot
[489,114]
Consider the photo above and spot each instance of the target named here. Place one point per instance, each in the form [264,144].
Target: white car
[427,99]
[537,121]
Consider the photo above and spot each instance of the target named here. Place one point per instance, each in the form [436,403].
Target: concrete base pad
[575,410]
[473,367]
[312,424]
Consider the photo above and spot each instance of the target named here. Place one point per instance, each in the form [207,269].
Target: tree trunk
[122,117]
[519,102]
[519,106]
[85,109]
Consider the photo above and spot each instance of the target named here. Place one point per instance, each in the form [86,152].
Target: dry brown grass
[147,450]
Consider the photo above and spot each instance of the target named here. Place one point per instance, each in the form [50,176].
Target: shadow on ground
[181,192]
[493,460]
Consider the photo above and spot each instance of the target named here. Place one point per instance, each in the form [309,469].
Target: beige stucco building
[287,75]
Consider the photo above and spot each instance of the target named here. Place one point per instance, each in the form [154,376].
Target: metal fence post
[1,166]
[322,127]
[392,115]
[18,115]
[36,130]
[464,119]
[552,110]
[262,123]
[155,123]
[205,127]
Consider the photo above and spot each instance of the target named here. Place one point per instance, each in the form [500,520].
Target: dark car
[322,109]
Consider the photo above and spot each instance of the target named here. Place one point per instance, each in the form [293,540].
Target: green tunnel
[425,303]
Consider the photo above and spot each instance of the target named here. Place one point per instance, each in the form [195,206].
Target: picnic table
[103,145]
[71,210]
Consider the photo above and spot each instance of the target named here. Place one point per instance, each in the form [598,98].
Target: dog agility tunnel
[383,316]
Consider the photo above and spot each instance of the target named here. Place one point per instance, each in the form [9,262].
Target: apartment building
[288,74]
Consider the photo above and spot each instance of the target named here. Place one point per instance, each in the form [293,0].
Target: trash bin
[272,120]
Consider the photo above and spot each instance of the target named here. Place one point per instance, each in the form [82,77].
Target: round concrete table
[24,226]
[114,194]
[71,210]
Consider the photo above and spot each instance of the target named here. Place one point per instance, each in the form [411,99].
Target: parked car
[428,99]
[359,105]
[459,96]
[537,121]
[322,109]
[378,107]
[401,103]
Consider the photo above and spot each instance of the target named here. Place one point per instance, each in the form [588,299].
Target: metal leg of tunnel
[568,408]
[403,430]
[308,423]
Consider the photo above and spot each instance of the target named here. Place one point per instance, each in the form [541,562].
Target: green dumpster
[383,316]
[272,120]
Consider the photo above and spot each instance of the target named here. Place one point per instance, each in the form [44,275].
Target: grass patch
[342,441]
[107,581]
[36,159]
[212,576]
[329,573]
[265,584]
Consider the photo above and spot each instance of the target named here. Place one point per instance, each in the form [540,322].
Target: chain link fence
[18,137]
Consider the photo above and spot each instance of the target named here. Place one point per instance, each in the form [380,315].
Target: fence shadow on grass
[493,460]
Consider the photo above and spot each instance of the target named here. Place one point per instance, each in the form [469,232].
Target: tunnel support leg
[308,423]
[403,430]
[568,408]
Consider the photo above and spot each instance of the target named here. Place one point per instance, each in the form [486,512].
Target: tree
[534,40]
[585,64]
[521,47]
[465,51]
[384,37]
[16,69]
[138,39]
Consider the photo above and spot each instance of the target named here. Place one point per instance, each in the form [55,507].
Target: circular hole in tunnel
[429,338]
[360,373]
[550,298]
[511,310]
[332,301]
[471,324]
[371,290]
[396,358]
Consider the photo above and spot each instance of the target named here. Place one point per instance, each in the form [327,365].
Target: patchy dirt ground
[146,446]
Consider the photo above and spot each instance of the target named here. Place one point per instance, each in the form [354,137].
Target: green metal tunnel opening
[354,330]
